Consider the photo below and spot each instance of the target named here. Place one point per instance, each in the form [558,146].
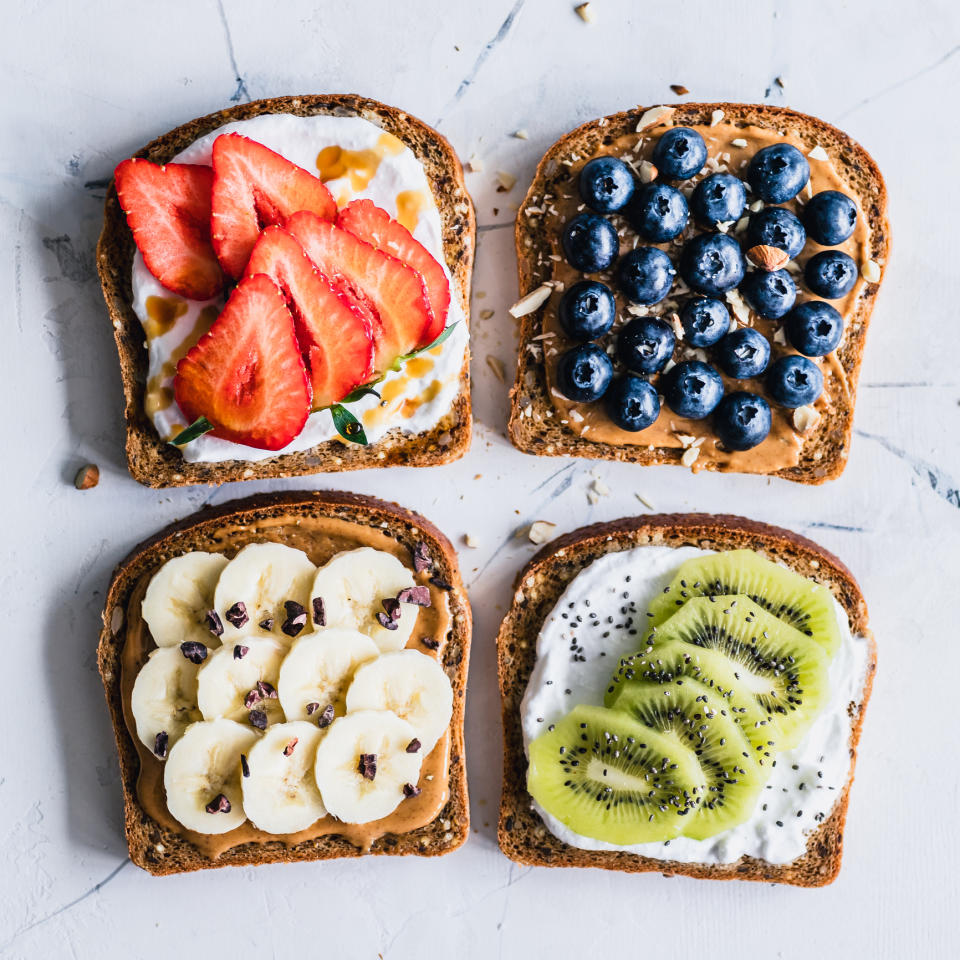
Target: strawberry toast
[299,269]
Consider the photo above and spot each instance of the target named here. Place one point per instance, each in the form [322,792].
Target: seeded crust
[522,834]
[194,533]
[157,464]
[825,450]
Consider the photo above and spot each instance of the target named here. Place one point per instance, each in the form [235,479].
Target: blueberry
[794,381]
[814,328]
[590,243]
[718,198]
[680,153]
[778,173]
[743,353]
[584,373]
[770,294]
[632,402]
[692,389]
[587,310]
[659,212]
[704,321]
[645,344]
[712,263]
[776,227]
[606,184]
[741,420]
[645,275]
[830,217]
[831,274]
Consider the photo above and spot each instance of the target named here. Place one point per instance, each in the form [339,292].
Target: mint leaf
[198,428]
[360,392]
[348,426]
[416,353]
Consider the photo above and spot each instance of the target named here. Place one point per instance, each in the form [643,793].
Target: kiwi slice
[699,717]
[606,776]
[804,605]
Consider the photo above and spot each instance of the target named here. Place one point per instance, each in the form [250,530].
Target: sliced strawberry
[364,219]
[336,340]
[168,212]
[253,187]
[394,290]
[246,376]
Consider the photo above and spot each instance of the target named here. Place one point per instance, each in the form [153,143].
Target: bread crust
[521,832]
[826,449]
[155,463]
[161,851]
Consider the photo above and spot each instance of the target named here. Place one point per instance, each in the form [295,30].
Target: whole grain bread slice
[522,834]
[532,427]
[158,464]
[162,851]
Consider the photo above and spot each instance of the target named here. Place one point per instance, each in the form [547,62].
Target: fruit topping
[776,227]
[680,153]
[794,381]
[168,212]
[771,294]
[246,376]
[692,389]
[606,184]
[743,353]
[587,310]
[741,420]
[632,403]
[370,223]
[704,321]
[831,274]
[778,173]
[335,336]
[584,373]
[645,344]
[645,275]
[590,243]
[254,187]
[719,198]
[814,328]
[712,263]
[830,217]
[659,212]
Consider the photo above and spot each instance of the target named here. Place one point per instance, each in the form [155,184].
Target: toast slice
[522,834]
[158,464]
[534,426]
[162,851]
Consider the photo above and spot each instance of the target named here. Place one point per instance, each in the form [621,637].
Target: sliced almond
[521,134]
[653,117]
[767,258]
[475,164]
[586,13]
[541,531]
[739,142]
[805,419]
[870,271]
[648,172]
[471,541]
[690,455]
[716,117]
[818,153]
[506,181]
[532,301]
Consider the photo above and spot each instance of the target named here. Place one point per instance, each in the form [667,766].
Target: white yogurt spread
[806,781]
[300,140]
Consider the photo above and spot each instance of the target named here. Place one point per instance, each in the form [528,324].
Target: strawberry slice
[253,187]
[336,339]
[394,290]
[246,376]
[364,219]
[168,212]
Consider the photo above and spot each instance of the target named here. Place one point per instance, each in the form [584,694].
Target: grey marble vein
[942,485]
[241,93]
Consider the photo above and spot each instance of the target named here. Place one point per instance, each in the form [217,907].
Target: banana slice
[239,682]
[280,792]
[164,699]
[179,596]
[202,776]
[409,684]
[264,590]
[363,765]
[352,587]
[317,671]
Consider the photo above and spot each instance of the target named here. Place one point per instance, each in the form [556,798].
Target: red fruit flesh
[364,219]
[253,188]
[394,290]
[168,212]
[336,340]
[246,376]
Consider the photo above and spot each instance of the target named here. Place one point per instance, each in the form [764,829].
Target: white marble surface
[86,83]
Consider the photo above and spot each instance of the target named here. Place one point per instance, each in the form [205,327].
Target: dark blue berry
[830,274]
[659,212]
[632,403]
[704,321]
[645,344]
[718,198]
[587,310]
[830,217]
[743,353]
[680,153]
[770,294]
[778,173]
[645,275]
[584,373]
[712,263]
[814,328]
[741,420]
[776,227]
[794,381]
[590,243]
[606,184]
[692,389]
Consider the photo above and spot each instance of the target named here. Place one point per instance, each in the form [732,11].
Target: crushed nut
[471,541]
[653,117]
[541,531]
[679,89]
[531,302]
[716,117]
[521,134]
[506,181]
[648,172]
[475,164]
[690,455]
[870,271]
[818,153]
[738,142]
[767,258]
[805,419]
[586,13]
[87,477]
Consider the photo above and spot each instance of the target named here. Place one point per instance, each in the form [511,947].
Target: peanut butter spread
[729,149]
[319,539]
